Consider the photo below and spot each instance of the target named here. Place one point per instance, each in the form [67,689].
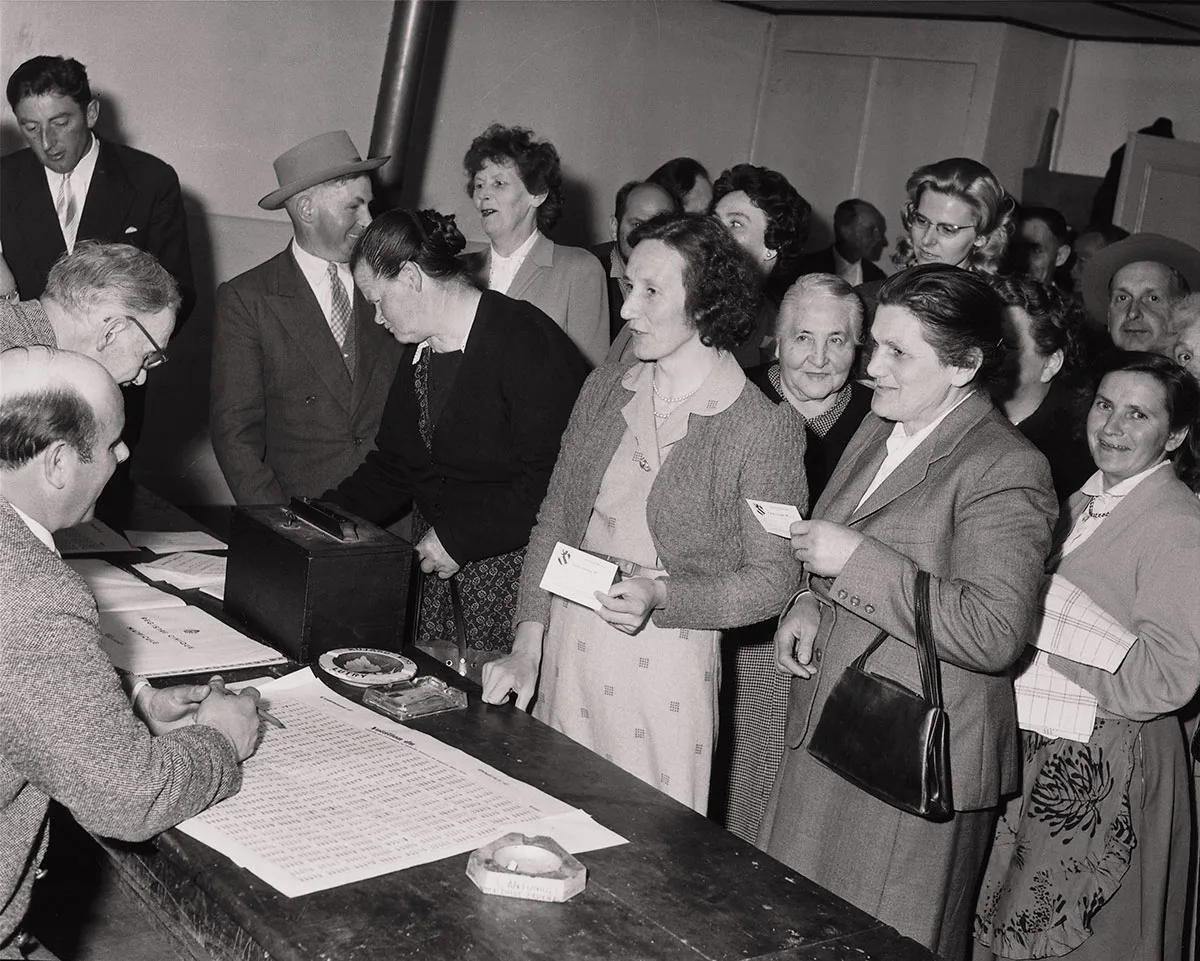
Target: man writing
[111,302]
[67,730]
[300,369]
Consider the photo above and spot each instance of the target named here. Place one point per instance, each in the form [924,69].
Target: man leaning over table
[67,730]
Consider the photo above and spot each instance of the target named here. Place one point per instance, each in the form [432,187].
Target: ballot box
[308,579]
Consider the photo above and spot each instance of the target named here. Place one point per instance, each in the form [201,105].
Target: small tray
[417,698]
[366,666]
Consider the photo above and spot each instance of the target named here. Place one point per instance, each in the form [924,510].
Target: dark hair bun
[443,238]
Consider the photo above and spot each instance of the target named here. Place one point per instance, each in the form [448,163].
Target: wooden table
[683,888]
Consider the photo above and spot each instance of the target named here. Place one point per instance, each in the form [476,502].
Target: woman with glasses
[958,213]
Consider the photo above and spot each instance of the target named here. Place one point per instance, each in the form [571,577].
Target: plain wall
[1116,88]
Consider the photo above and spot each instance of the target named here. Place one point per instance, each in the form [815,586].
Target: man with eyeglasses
[111,302]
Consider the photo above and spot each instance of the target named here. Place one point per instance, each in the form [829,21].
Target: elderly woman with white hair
[817,333]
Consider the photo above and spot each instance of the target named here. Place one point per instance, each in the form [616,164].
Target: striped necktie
[340,312]
[65,206]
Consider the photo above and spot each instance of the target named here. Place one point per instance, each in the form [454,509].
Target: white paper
[172,542]
[118,590]
[342,793]
[90,537]
[577,575]
[179,640]
[775,519]
[186,570]
[214,590]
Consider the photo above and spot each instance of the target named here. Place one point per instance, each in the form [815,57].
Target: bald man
[67,730]
[111,302]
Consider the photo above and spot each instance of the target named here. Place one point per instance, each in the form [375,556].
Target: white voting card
[776,519]
[577,575]
[186,570]
[341,794]
[118,590]
[178,640]
[172,542]
[90,537]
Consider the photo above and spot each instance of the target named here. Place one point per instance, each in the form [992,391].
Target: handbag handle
[927,659]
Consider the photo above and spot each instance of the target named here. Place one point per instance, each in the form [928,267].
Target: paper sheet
[90,537]
[178,640]
[173,542]
[342,794]
[118,590]
[186,570]
[775,519]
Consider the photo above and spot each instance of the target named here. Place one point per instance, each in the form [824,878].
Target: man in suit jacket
[70,186]
[299,376]
[636,203]
[67,730]
[860,234]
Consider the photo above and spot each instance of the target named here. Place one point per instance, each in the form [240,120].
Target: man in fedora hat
[300,369]
[1130,286]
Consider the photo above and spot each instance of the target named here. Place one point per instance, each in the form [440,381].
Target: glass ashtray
[420,697]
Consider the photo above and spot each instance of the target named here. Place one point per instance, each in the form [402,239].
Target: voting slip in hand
[776,519]
[577,575]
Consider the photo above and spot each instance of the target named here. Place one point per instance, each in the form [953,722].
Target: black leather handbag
[886,739]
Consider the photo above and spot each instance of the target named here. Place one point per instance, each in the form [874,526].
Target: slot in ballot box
[308,578]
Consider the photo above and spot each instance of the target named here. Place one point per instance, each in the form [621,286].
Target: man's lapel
[109,198]
[42,237]
[293,302]
[365,357]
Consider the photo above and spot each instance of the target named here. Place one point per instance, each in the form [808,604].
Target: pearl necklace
[1092,514]
[673,400]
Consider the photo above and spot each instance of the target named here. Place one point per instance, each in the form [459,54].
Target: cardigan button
[870,609]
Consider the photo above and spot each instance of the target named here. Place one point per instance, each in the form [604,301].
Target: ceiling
[1126,20]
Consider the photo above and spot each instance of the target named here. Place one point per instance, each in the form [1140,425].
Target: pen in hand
[217,683]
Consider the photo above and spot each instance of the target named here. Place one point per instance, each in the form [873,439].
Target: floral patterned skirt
[1062,846]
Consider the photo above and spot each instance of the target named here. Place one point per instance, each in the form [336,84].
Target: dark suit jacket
[974,506]
[86,751]
[286,418]
[494,444]
[133,199]
[565,284]
[616,296]
[821,262]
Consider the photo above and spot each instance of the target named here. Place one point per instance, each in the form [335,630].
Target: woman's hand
[434,557]
[518,672]
[823,547]
[795,635]
[629,603]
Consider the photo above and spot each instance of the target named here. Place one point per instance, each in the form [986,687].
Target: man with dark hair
[636,203]
[1043,243]
[300,369]
[859,237]
[70,186]
[67,730]
[111,302]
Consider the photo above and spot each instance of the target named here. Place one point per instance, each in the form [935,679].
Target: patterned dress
[646,702]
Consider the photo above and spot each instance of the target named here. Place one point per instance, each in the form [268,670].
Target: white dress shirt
[79,183]
[39,530]
[900,445]
[504,269]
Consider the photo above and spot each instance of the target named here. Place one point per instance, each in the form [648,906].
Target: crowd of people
[1013,409]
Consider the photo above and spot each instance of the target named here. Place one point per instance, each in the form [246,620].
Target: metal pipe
[396,106]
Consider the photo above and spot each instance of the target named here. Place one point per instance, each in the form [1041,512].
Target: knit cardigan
[725,570]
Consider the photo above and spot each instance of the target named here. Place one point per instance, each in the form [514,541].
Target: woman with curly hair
[769,220]
[958,213]
[1040,391]
[1090,861]
[470,431]
[515,181]
[657,463]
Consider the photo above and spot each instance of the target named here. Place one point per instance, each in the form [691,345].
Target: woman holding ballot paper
[657,464]
[936,481]
[1090,860]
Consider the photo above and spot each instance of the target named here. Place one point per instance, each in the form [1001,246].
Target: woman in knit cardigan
[1091,860]
[655,470]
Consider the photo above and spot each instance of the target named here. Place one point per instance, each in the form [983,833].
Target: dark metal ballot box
[309,578]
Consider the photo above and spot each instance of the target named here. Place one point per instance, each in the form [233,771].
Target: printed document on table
[172,542]
[118,590]
[91,537]
[186,570]
[178,640]
[341,794]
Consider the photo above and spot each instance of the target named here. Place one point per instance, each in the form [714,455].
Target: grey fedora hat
[320,158]
[1098,272]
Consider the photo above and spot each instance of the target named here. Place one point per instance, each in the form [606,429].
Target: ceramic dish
[366,666]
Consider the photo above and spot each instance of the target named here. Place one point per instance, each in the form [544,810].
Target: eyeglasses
[158,356]
[949,231]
